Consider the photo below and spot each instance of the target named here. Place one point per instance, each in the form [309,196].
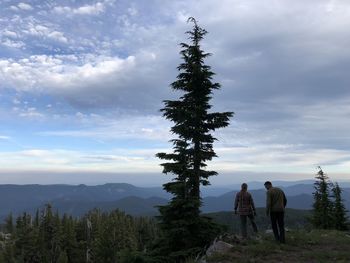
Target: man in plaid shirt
[246,209]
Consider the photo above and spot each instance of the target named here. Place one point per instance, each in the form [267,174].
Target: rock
[218,247]
[268,231]
[231,239]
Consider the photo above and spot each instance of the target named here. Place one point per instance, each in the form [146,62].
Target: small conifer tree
[339,211]
[322,207]
[186,232]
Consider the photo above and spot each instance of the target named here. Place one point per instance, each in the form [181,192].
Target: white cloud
[94,9]
[9,33]
[14,8]
[121,160]
[12,44]
[283,67]
[118,128]
[16,101]
[45,32]
[279,158]
[82,83]
[25,6]
[59,36]
[31,113]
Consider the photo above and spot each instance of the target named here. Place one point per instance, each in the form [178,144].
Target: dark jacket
[276,200]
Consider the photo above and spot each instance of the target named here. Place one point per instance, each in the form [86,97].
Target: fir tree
[69,241]
[9,224]
[109,237]
[323,206]
[339,211]
[49,235]
[186,232]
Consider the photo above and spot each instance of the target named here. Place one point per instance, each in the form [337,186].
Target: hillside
[314,246]
[20,198]
[225,202]
[78,199]
[294,219]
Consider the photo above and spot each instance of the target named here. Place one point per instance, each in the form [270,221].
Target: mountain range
[78,199]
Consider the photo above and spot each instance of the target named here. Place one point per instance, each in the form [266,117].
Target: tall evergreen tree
[184,229]
[49,235]
[339,211]
[69,241]
[322,207]
[9,226]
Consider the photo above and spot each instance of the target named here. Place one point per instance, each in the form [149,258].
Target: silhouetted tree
[9,224]
[339,211]
[185,231]
[323,206]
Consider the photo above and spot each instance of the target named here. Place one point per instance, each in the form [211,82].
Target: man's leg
[280,220]
[244,225]
[273,216]
[255,228]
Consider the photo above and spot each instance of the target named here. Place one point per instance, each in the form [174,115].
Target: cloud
[119,127]
[12,44]
[46,32]
[121,160]
[278,158]
[9,33]
[282,66]
[25,6]
[94,9]
[31,113]
[92,82]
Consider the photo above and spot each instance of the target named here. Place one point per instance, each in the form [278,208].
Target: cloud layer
[99,70]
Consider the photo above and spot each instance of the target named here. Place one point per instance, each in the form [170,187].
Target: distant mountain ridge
[19,198]
[78,199]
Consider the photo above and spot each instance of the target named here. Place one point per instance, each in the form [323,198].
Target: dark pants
[277,223]
[244,224]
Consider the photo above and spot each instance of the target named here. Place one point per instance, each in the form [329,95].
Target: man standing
[246,209]
[276,202]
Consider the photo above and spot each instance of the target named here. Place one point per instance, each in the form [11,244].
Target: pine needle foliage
[96,237]
[322,207]
[329,211]
[339,211]
[185,230]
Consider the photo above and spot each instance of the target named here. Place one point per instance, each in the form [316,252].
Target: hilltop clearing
[302,246]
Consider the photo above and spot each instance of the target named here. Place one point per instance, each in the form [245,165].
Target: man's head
[268,185]
[244,187]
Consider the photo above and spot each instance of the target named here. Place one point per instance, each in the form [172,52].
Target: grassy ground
[315,246]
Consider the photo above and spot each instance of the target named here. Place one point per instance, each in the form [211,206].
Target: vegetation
[301,246]
[185,231]
[96,237]
[340,219]
[328,210]
[294,219]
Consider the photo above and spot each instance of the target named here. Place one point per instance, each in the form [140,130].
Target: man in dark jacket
[276,202]
[246,209]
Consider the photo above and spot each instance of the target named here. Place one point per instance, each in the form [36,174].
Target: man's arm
[284,200]
[268,202]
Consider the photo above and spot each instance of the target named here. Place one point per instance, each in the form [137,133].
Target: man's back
[276,200]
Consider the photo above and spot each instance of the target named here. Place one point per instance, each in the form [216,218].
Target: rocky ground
[314,246]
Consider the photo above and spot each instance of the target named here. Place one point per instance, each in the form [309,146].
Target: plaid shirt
[244,202]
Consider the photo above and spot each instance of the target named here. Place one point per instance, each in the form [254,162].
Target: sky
[82,82]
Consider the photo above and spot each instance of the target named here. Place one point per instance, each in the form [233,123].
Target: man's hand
[254,213]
